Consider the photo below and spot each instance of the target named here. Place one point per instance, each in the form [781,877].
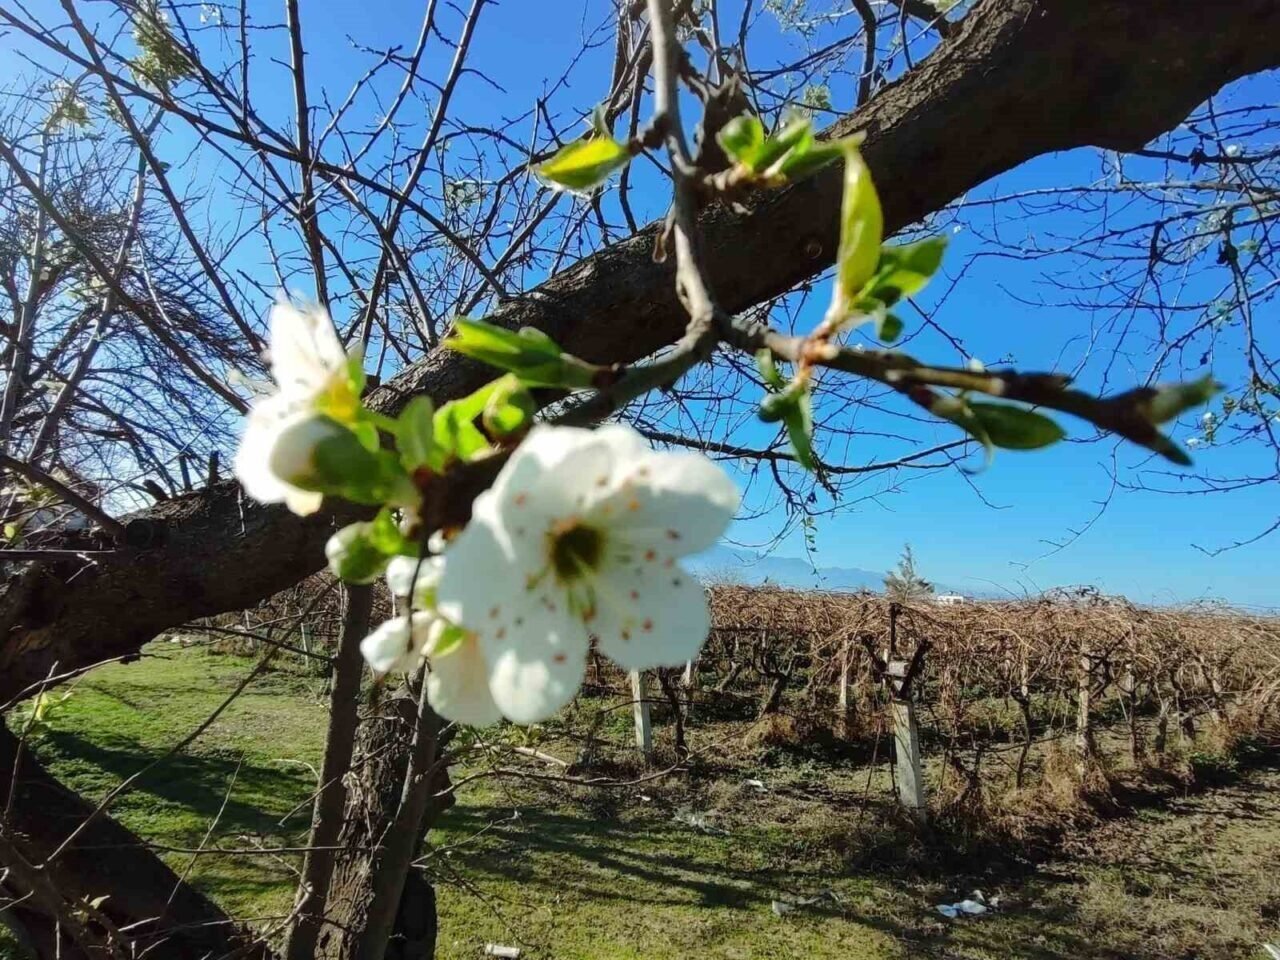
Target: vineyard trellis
[981,697]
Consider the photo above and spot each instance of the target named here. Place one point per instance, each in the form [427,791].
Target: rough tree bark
[331,801]
[377,783]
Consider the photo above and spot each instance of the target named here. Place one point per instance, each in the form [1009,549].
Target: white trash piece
[1272,950]
[499,950]
[781,908]
[973,906]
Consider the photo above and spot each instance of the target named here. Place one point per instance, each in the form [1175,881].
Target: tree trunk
[326,820]
[671,691]
[159,913]
[382,756]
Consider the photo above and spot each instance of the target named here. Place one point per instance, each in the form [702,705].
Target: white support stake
[640,706]
[844,715]
[906,744]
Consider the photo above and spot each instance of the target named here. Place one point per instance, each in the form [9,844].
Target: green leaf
[775,406]
[355,372]
[367,434]
[1166,402]
[742,138]
[353,556]
[904,270]
[768,369]
[794,407]
[583,165]
[323,456]
[957,410]
[415,431]
[530,354]
[794,138]
[791,153]
[449,640]
[861,230]
[889,326]
[384,533]
[798,164]
[799,423]
[510,408]
[1155,405]
[1014,428]
[456,433]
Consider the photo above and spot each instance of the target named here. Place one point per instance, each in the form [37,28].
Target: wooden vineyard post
[906,741]
[640,707]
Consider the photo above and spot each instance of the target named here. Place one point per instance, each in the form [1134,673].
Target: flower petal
[680,503]
[391,648]
[401,571]
[305,350]
[267,420]
[458,686]
[303,503]
[531,681]
[477,563]
[650,614]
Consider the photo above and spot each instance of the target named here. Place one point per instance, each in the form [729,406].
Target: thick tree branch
[1018,79]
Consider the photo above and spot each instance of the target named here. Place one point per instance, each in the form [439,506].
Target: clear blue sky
[1142,545]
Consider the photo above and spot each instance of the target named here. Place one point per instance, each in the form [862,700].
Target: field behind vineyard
[568,843]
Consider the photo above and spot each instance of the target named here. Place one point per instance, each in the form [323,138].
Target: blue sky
[1142,544]
[1046,525]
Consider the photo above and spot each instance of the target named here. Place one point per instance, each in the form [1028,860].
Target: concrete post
[690,684]
[640,708]
[906,745]
[844,714]
[1084,735]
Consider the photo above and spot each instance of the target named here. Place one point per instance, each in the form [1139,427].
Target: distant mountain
[743,566]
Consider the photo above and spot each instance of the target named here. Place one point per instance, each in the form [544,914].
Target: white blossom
[578,537]
[311,374]
[399,644]
[457,684]
[406,575]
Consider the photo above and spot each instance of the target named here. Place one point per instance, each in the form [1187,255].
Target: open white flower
[399,644]
[457,681]
[578,537]
[419,577]
[312,376]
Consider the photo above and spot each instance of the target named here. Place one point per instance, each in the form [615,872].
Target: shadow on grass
[195,782]
[654,865]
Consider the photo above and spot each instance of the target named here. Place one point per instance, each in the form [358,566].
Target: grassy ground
[671,871]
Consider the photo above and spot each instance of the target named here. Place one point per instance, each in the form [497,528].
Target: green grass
[614,875]
[248,770]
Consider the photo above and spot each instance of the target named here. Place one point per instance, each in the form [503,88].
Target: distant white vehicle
[950,599]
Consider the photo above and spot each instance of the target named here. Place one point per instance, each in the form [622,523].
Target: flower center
[338,400]
[576,550]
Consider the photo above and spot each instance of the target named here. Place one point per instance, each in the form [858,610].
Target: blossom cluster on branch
[578,539]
